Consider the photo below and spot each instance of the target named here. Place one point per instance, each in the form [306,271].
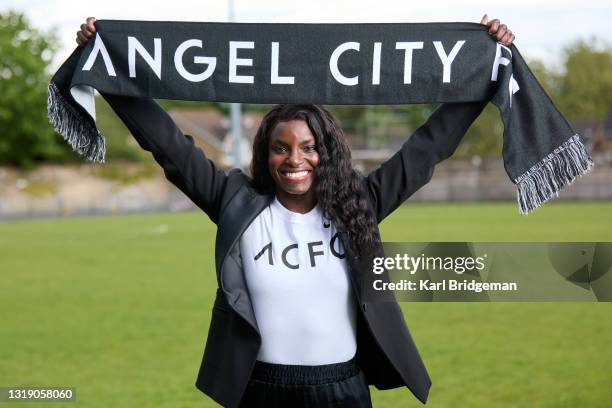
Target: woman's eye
[279,149]
[310,148]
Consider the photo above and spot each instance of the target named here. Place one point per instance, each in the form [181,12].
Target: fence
[81,194]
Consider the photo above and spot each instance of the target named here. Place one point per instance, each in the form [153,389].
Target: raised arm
[412,166]
[185,165]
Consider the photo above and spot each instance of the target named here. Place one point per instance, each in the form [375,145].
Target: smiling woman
[290,326]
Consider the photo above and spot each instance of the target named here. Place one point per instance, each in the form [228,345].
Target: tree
[25,134]
[585,90]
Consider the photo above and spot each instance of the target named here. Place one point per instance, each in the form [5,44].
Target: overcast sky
[542,27]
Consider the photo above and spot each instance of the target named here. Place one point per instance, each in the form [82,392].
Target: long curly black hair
[339,191]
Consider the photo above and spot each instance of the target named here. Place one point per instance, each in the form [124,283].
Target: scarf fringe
[557,170]
[80,134]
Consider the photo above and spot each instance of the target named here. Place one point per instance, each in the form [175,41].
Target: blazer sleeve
[412,166]
[185,165]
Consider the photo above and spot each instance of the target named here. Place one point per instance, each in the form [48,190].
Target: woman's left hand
[498,30]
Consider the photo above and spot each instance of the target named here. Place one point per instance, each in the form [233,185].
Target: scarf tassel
[74,128]
[557,170]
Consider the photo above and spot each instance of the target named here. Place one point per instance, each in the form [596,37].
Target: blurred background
[118,305]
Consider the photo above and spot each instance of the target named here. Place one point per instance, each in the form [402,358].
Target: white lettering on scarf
[513,86]
[99,48]
[408,48]
[235,62]
[180,68]
[154,62]
[447,60]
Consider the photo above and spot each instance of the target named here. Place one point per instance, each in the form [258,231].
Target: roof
[213,126]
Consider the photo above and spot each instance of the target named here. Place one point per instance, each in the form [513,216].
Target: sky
[542,28]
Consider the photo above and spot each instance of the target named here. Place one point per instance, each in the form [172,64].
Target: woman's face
[292,156]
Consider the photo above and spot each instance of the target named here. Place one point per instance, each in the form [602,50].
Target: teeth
[296,174]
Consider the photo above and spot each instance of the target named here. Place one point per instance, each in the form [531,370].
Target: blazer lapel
[237,216]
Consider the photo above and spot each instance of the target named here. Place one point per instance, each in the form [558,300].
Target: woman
[289,324]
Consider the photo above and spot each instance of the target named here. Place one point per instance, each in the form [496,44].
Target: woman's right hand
[87,31]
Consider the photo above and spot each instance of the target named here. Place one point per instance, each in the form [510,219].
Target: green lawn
[119,307]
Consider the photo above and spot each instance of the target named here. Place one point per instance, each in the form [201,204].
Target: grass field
[119,307]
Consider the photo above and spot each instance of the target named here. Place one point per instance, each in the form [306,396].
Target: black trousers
[336,385]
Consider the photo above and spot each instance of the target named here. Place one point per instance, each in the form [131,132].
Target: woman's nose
[295,159]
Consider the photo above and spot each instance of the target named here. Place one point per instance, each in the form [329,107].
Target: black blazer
[385,350]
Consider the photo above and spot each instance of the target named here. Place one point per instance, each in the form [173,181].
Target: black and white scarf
[323,64]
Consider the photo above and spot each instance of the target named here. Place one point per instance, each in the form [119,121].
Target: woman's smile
[293,176]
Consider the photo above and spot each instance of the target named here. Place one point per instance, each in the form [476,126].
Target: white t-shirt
[297,277]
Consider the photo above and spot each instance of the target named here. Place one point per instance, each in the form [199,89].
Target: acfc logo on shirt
[313,252]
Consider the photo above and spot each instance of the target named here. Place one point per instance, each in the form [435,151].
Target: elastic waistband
[303,374]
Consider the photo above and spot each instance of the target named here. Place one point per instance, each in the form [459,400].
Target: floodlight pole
[235,112]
